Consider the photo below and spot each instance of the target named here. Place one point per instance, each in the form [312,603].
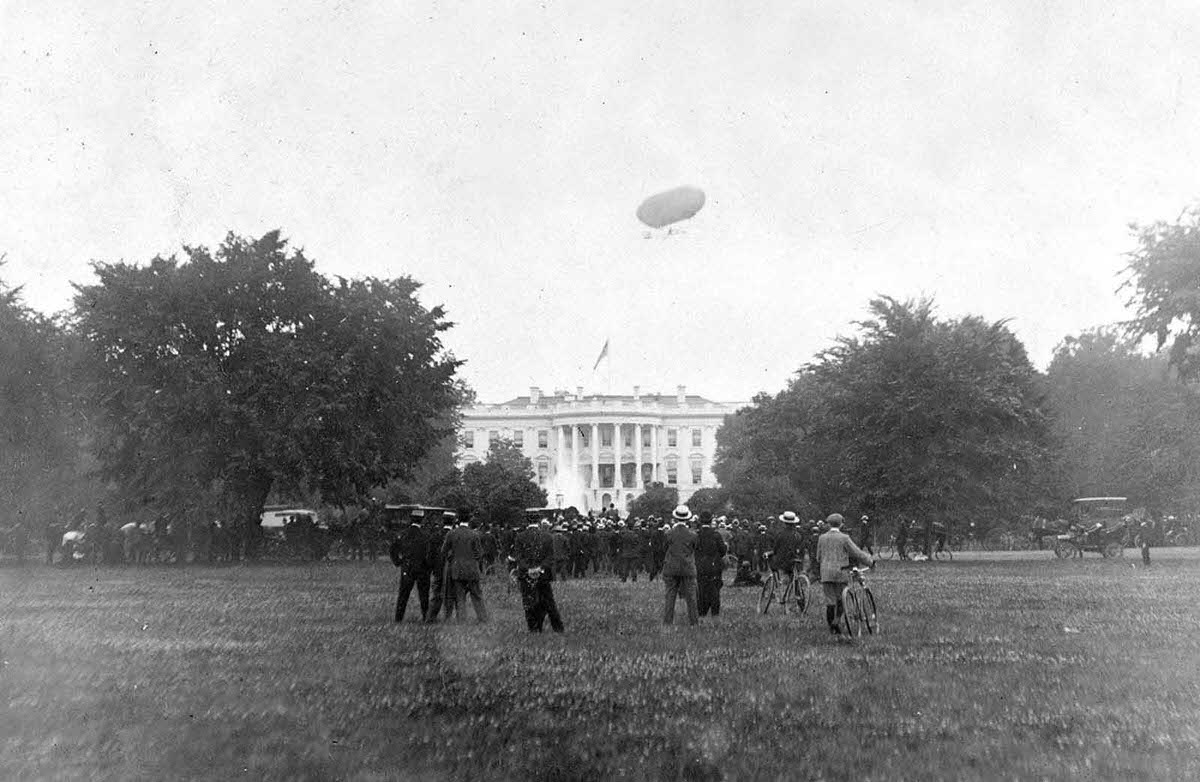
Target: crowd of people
[445,559]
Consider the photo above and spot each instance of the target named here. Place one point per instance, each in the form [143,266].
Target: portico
[594,451]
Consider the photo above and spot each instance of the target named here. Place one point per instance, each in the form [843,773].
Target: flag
[603,353]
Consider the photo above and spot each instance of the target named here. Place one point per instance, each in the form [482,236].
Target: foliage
[498,489]
[1126,425]
[247,369]
[1164,277]
[714,501]
[984,670]
[43,433]
[657,500]
[915,417]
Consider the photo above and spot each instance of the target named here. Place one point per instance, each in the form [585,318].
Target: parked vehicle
[1098,524]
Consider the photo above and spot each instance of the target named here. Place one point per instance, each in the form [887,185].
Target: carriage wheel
[1112,550]
[1063,549]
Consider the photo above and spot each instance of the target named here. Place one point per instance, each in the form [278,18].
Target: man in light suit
[464,550]
[679,567]
[835,552]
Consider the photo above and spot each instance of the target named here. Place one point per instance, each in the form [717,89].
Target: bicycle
[795,590]
[858,604]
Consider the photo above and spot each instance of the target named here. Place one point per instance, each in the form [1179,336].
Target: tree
[657,500]
[247,369]
[1127,426]
[43,460]
[1164,275]
[500,488]
[914,417]
[712,500]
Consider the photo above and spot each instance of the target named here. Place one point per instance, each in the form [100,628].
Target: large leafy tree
[498,489]
[1126,424]
[912,417]
[246,369]
[43,464]
[1163,276]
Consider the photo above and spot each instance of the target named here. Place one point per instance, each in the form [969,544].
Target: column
[574,460]
[561,439]
[654,453]
[596,457]
[618,443]
[637,456]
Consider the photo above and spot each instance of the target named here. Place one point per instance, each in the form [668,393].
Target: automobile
[1097,524]
[395,516]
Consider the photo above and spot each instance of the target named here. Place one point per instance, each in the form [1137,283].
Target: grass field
[990,668]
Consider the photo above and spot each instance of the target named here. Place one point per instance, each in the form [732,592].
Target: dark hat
[705,517]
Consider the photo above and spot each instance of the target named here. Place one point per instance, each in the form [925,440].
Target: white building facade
[593,451]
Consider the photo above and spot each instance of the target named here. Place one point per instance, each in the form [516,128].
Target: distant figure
[866,535]
[679,567]
[1146,531]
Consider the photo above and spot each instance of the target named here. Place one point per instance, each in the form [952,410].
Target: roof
[1101,499]
[550,400]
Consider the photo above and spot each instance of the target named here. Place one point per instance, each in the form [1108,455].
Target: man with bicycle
[787,550]
[835,553]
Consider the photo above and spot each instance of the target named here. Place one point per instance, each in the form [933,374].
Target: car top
[1101,499]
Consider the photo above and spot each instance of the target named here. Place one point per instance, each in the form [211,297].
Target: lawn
[1016,667]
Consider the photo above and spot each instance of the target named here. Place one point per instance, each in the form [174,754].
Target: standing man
[534,552]
[710,561]
[442,593]
[410,553]
[464,547]
[679,567]
[835,553]
[866,535]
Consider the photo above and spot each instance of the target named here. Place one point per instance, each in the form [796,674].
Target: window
[627,437]
[519,438]
[697,464]
[469,438]
[606,435]
[645,437]
[543,438]
[696,474]
[543,472]
[672,437]
[672,474]
[493,437]
[696,438]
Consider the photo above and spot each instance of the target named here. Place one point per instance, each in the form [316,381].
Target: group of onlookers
[444,560]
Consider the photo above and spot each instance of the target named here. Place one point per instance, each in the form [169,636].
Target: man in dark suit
[534,552]
[464,549]
[679,567]
[710,561]
[442,594]
[410,553]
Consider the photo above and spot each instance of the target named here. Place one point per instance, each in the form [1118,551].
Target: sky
[988,155]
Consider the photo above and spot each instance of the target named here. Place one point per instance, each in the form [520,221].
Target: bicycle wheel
[851,615]
[801,592]
[867,605]
[767,594]
[945,554]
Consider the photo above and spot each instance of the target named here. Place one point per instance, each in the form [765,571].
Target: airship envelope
[659,211]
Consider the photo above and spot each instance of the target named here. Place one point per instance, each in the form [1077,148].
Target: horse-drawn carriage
[1100,524]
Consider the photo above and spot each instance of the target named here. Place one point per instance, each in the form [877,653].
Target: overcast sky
[989,155]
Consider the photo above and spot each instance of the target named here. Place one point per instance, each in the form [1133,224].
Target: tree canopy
[1164,278]
[500,488]
[1127,426]
[248,368]
[912,417]
[657,500]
